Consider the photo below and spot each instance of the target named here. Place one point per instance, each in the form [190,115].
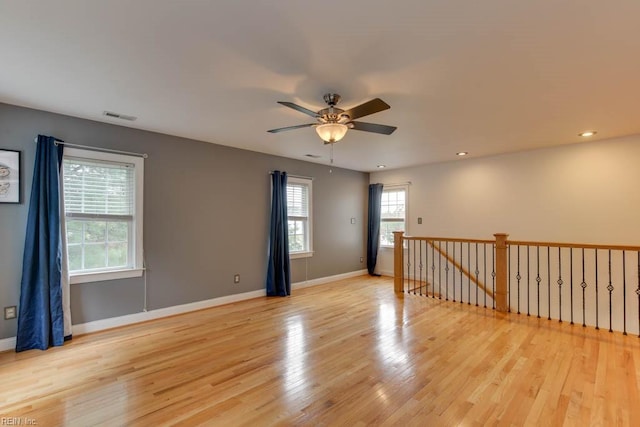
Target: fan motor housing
[332,115]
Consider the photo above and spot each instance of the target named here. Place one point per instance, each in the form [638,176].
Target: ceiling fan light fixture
[331,132]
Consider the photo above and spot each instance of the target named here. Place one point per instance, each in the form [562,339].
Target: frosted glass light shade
[331,132]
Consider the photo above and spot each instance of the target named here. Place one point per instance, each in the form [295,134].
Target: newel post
[501,272]
[398,261]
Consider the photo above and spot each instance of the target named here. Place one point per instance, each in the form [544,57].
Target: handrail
[574,245]
[529,243]
[448,239]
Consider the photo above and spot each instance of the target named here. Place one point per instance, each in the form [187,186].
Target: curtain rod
[89,147]
[393,184]
[296,176]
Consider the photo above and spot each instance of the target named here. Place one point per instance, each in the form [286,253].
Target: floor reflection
[295,374]
[392,336]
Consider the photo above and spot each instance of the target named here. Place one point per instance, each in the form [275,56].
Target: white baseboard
[323,280]
[8,344]
[129,319]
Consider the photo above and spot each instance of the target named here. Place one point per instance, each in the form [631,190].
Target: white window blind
[298,200]
[95,188]
[299,216]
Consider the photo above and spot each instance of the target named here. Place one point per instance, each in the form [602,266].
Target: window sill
[105,275]
[297,255]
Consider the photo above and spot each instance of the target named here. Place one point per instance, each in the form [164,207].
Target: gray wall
[205,219]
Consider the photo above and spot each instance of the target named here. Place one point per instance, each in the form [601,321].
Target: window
[299,217]
[393,213]
[102,214]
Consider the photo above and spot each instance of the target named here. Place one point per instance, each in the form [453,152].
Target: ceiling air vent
[118,116]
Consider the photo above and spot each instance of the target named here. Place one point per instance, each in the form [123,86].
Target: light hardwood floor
[347,353]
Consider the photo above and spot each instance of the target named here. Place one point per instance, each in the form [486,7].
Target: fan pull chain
[331,152]
[331,156]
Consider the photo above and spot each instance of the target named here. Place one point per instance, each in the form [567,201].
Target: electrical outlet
[419,220]
[353,220]
[236,278]
[361,259]
[10,312]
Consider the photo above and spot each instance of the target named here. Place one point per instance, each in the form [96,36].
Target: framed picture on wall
[9,176]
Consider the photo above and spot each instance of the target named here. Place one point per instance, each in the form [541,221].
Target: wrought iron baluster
[432,267]
[538,279]
[493,275]
[453,272]
[440,269]
[469,270]
[597,319]
[509,279]
[528,282]
[583,285]
[610,289]
[408,275]
[571,280]
[446,270]
[414,267]
[461,279]
[433,270]
[638,293]
[477,274]
[484,259]
[549,282]
[420,267]
[518,277]
[560,282]
[426,268]
[624,293]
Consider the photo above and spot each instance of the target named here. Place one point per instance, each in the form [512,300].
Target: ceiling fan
[333,122]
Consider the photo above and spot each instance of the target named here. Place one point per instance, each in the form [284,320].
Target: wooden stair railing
[593,284]
[500,297]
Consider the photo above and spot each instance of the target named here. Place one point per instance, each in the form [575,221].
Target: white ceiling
[487,77]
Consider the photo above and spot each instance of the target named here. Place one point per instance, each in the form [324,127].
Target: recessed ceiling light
[462,153]
[587,133]
[381,166]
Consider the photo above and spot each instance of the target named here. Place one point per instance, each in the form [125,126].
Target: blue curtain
[373,227]
[40,318]
[278,270]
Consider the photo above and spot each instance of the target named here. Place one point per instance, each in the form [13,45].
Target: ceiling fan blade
[373,127]
[291,128]
[373,106]
[299,108]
